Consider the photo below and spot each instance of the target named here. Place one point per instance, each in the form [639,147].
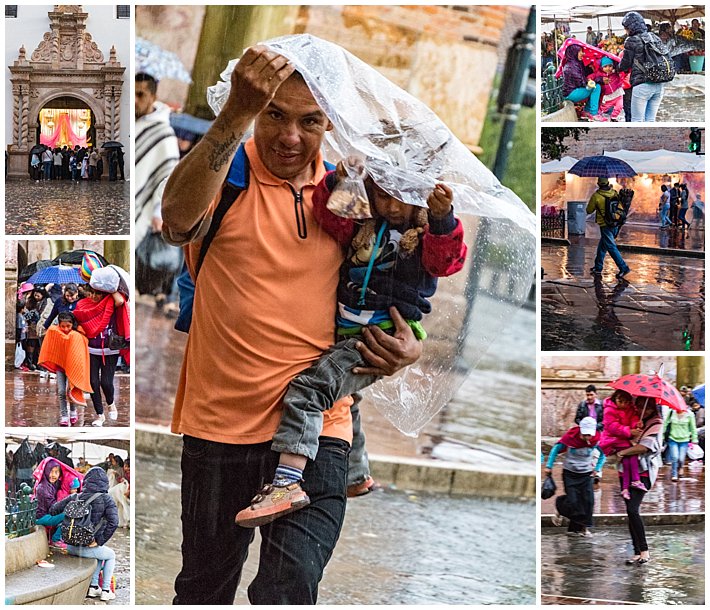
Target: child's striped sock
[285,475]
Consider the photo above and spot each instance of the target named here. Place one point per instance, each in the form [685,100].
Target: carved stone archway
[66,63]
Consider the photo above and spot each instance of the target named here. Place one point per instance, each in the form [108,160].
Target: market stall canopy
[120,437]
[668,12]
[562,165]
[659,161]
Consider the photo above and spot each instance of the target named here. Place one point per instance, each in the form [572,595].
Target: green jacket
[598,204]
[682,427]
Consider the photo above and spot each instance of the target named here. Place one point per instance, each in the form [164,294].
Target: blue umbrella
[159,63]
[699,393]
[601,166]
[57,274]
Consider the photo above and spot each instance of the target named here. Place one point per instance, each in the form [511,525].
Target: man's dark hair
[590,388]
[664,188]
[142,77]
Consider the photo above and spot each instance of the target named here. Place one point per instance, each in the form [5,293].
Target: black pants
[636,527]
[578,502]
[219,480]
[103,369]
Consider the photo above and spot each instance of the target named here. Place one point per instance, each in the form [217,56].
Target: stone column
[118,252]
[57,246]
[630,365]
[226,32]
[16,114]
[54,54]
[690,370]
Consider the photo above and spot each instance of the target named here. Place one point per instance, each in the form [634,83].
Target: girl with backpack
[103,519]
[646,58]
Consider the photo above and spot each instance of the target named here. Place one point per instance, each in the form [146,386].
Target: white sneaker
[107,595]
[99,421]
[112,412]
[93,592]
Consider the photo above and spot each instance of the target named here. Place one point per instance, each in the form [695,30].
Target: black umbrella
[31,269]
[37,149]
[73,257]
[112,144]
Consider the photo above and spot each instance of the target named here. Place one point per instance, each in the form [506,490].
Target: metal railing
[20,513]
[553,225]
[551,98]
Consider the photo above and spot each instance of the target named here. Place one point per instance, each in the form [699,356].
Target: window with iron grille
[11,11]
[123,11]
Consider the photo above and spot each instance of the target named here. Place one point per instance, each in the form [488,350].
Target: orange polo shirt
[264,310]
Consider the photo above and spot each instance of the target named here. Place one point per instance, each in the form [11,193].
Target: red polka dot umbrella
[651,386]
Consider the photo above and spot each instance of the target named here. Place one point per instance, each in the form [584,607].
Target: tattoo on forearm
[222,152]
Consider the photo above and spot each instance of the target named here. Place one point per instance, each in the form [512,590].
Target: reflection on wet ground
[664,296]
[31,400]
[395,548]
[683,100]
[461,432]
[653,237]
[581,569]
[67,208]
[684,496]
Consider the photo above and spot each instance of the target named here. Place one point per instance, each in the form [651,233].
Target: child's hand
[354,162]
[439,201]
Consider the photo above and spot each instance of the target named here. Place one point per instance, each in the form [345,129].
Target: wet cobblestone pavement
[662,297]
[31,400]
[63,207]
[578,570]
[395,547]
[683,99]
[652,237]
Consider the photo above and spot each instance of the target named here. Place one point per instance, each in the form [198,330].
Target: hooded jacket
[47,493]
[634,46]
[618,424]
[597,203]
[574,72]
[103,507]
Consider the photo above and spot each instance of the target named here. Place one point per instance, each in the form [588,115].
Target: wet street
[683,99]
[503,381]
[63,207]
[578,570]
[395,547]
[31,400]
[662,297]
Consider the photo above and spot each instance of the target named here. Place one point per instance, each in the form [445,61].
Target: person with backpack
[90,519]
[607,205]
[649,62]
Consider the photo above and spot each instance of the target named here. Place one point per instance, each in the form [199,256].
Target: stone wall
[598,139]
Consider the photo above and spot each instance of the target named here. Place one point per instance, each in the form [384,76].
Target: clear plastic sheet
[407,149]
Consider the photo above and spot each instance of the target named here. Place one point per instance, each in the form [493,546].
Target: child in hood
[620,421]
[612,83]
[53,482]
[577,85]
[104,517]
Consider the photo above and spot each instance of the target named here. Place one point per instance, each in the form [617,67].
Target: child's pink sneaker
[73,417]
[64,422]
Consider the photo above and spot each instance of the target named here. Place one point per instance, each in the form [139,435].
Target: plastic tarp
[556,166]
[660,161]
[406,150]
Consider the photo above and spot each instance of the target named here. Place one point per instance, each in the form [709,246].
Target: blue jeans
[607,243]
[52,521]
[106,562]
[591,95]
[47,168]
[665,218]
[645,101]
[681,217]
[678,452]
[219,480]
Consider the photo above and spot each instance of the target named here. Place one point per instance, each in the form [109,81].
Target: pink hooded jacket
[618,424]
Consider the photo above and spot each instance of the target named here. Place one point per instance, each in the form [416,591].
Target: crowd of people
[674,206]
[57,483]
[76,164]
[629,88]
[640,435]
[74,333]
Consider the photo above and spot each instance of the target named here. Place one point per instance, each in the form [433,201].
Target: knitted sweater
[404,282]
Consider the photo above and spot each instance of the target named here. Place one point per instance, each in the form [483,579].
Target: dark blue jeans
[607,243]
[219,480]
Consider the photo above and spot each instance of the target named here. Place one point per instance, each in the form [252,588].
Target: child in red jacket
[620,420]
[612,82]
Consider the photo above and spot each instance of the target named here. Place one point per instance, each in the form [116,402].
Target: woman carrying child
[65,352]
[620,422]
[393,261]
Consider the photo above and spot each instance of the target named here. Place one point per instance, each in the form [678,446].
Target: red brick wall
[598,139]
